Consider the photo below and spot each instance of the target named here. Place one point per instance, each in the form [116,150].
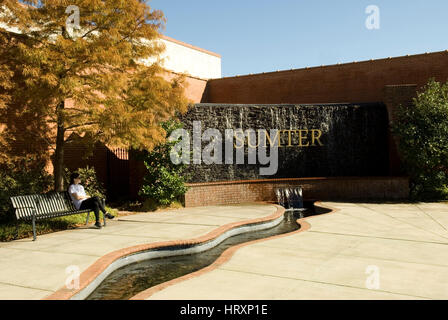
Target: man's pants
[96,204]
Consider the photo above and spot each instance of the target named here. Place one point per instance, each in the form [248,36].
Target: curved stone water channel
[126,282]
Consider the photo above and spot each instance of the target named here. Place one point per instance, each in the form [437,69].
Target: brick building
[393,81]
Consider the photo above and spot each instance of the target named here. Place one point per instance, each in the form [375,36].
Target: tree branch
[70,128]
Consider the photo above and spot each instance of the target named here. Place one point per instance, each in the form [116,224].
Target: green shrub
[422,131]
[164,181]
[89,181]
[21,178]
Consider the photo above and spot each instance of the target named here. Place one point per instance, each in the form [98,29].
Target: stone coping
[285,180]
[95,270]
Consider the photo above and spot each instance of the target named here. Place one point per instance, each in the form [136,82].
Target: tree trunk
[59,152]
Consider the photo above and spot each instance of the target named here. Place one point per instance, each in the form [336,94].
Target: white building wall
[183,58]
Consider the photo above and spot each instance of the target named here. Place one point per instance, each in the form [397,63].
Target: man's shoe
[109,216]
[97,225]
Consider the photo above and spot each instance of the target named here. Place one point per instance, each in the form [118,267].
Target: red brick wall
[352,82]
[77,155]
[195,87]
[223,193]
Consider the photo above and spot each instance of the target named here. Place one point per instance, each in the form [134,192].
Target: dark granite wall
[354,137]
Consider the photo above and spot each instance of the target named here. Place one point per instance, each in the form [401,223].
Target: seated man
[83,202]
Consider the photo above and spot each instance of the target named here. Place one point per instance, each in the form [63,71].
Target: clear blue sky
[256,36]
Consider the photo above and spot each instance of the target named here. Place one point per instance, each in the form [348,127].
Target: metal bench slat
[52,205]
[23,204]
[46,204]
[15,205]
[68,202]
[42,205]
[59,202]
[55,203]
[68,199]
[49,204]
[19,203]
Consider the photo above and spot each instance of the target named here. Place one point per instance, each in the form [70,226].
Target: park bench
[45,206]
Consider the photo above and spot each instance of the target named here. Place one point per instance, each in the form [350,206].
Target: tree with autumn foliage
[91,68]
[5,85]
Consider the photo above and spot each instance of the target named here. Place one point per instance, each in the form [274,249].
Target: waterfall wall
[336,140]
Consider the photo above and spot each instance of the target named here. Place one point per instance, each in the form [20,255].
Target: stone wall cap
[286,180]
[336,104]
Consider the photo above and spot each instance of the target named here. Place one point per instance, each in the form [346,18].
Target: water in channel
[132,279]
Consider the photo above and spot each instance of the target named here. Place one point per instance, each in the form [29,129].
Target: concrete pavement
[35,270]
[363,251]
